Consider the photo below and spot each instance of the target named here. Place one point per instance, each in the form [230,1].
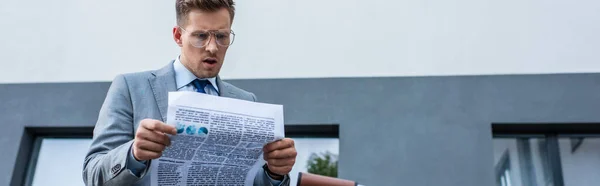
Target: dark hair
[183,8]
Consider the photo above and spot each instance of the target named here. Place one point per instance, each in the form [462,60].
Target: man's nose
[212,46]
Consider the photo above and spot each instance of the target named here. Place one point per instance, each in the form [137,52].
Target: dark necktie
[200,84]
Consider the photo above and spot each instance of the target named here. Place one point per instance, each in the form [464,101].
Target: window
[547,155]
[503,171]
[60,161]
[522,159]
[305,147]
[580,160]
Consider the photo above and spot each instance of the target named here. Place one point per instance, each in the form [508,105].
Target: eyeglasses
[201,38]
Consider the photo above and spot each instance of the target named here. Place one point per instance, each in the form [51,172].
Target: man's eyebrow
[198,31]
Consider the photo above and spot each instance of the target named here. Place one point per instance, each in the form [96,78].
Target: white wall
[75,40]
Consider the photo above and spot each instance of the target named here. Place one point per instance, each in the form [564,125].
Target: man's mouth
[210,60]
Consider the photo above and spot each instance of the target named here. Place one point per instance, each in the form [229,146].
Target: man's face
[203,59]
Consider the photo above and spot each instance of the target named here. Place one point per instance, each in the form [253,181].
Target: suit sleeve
[263,179]
[106,160]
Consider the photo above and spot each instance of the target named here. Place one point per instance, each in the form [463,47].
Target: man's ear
[177,36]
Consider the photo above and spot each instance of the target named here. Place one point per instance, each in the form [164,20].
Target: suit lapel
[224,90]
[162,83]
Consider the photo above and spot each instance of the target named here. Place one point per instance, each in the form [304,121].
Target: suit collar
[163,81]
[226,91]
[183,76]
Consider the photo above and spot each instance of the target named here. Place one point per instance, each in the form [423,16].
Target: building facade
[416,93]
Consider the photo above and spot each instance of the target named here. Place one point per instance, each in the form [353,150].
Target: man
[130,131]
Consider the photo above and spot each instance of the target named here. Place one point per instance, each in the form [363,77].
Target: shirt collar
[183,76]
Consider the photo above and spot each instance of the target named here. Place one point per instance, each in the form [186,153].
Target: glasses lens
[201,39]
[224,38]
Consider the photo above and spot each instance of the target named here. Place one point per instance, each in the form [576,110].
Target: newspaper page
[219,140]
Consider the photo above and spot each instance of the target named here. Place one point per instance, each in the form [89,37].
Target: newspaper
[219,140]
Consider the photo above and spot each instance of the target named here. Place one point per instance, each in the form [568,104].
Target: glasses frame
[211,35]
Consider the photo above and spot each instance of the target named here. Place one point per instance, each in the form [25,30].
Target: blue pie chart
[190,130]
[180,127]
[202,131]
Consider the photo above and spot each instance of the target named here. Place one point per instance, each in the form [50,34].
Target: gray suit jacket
[130,99]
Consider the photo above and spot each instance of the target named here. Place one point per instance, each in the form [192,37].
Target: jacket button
[116,169]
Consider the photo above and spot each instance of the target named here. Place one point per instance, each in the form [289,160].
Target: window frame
[31,144]
[502,166]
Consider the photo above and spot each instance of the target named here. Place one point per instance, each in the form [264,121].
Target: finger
[156,137]
[147,155]
[281,162]
[281,154]
[279,144]
[150,146]
[155,125]
[280,170]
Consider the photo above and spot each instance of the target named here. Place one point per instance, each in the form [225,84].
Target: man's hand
[151,139]
[280,156]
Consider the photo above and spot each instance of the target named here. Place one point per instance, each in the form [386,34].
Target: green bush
[325,164]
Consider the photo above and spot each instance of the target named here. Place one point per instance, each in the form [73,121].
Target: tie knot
[200,84]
